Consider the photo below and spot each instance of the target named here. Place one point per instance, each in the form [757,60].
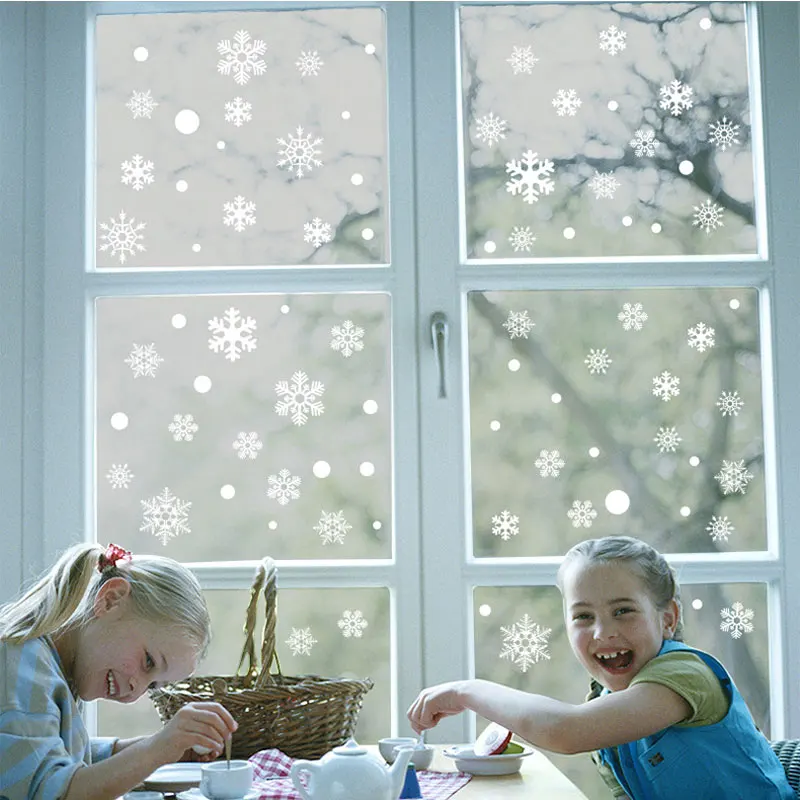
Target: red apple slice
[492,741]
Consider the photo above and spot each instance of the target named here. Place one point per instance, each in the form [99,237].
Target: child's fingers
[220,711]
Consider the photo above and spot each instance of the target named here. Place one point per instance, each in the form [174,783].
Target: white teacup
[386,747]
[217,782]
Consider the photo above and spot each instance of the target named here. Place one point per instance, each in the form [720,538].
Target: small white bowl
[386,746]
[422,756]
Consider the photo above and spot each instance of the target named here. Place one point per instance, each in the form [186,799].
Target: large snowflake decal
[522,60]
[299,399]
[352,623]
[247,445]
[232,334]
[708,216]
[632,316]
[566,102]
[723,133]
[730,404]
[300,152]
[701,337]
[301,641]
[597,361]
[505,525]
[666,386]
[241,58]
[521,238]
[183,427]
[736,620]
[719,529]
[332,527]
[119,476]
[549,463]
[238,111]
[603,184]
[137,173]
[240,213]
[676,96]
[667,440]
[733,477]
[612,40]
[644,143]
[309,63]
[283,487]
[525,643]
[317,232]
[529,176]
[490,129]
[141,104]
[346,338]
[165,516]
[582,513]
[144,360]
[518,324]
[122,236]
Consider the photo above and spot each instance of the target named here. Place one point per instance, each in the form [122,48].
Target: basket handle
[249,649]
[269,652]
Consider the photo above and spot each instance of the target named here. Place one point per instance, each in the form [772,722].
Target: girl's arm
[624,716]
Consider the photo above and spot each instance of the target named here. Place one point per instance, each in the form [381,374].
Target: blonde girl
[100,624]
[665,721]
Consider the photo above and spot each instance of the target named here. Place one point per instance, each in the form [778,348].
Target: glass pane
[329,632]
[234,426]
[607,412]
[606,130]
[521,641]
[241,139]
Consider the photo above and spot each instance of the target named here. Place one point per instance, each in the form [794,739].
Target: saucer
[502,764]
[196,794]
[176,777]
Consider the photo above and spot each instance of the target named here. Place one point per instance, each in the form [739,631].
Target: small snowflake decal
[238,111]
[240,213]
[309,63]
[122,236]
[603,184]
[730,404]
[232,334]
[141,104]
[529,176]
[165,516]
[521,238]
[301,641]
[582,513]
[317,232]
[676,97]
[283,487]
[525,643]
[632,316]
[666,386]
[352,623]
[644,143]
[299,399]
[566,102]
[137,173]
[144,360]
[346,338]
[723,133]
[549,463]
[597,361]
[720,529]
[332,527]
[183,427]
[490,129]
[733,477]
[612,40]
[708,216]
[241,58]
[300,153]
[736,620]
[701,337]
[505,525]
[522,60]
[667,440]
[247,445]
[119,476]
[518,324]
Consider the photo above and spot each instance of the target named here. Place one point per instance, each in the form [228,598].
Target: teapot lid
[350,748]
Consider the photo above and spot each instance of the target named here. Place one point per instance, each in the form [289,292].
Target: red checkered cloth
[271,779]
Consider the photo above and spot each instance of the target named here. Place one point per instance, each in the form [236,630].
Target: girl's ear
[671,616]
[110,595]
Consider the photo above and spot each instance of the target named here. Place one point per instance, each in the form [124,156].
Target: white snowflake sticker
[644,143]
[301,641]
[490,129]
[521,238]
[736,620]
[733,477]
[582,513]
[165,516]
[300,398]
[708,216]
[300,152]
[240,59]
[332,527]
[529,176]
[632,316]
[352,623]
[122,237]
[522,60]
[119,476]
[247,445]
[232,334]
[723,133]
[719,529]
[505,525]
[597,362]
[309,63]
[137,173]
[667,440]
[238,111]
[566,102]
[283,487]
[701,337]
[317,232]
[518,324]
[144,360]
[347,338]
[525,643]
[141,104]
[676,97]
[183,427]
[549,463]
[730,404]
[603,184]
[666,386]
[239,213]
[612,40]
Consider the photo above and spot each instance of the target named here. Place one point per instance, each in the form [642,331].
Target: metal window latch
[440,333]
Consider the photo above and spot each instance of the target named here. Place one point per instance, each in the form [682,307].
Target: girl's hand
[205,724]
[434,703]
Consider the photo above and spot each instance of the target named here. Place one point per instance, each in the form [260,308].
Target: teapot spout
[398,770]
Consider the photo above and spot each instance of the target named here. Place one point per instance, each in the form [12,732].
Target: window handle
[440,333]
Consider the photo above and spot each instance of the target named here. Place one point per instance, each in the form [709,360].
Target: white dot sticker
[181,186]
[555,397]
[656,227]
[187,121]
[694,461]
[119,421]
[494,425]
[705,23]
[697,604]
[514,365]
[613,105]
[345,115]
[141,54]
[594,452]
[369,49]
[321,469]
[370,407]
[617,502]
[196,247]
[227,492]
[484,609]
[685,511]
[686,167]
[356,179]
[734,304]
[627,221]
[367,234]
[202,384]
[220,145]
[178,321]
[284,309]
[367,469]
[489,247]
[272,525]
[569,233]
[377,525]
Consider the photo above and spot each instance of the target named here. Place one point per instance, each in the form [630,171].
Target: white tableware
[196,794]
[387,746]
[145,795]
[174,777]
[223,780]
[422,756]
[503,764]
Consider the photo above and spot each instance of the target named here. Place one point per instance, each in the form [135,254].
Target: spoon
[420,740]
[228,750]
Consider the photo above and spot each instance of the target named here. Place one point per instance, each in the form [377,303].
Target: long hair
[162,591]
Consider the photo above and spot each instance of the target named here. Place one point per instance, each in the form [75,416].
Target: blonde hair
[161,591]
[658,577]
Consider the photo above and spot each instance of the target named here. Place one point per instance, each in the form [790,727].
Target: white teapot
[350,772]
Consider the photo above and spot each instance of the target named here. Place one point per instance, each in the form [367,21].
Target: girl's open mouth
[615,662]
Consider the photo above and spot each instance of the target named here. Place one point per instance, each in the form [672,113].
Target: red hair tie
[112,555]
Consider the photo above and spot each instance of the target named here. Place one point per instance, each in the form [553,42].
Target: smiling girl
[100,624]
[664,721]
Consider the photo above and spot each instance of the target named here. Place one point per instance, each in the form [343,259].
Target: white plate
[174,777]
[196,794]
[503,764]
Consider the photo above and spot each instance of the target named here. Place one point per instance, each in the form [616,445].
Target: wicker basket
[303,716]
